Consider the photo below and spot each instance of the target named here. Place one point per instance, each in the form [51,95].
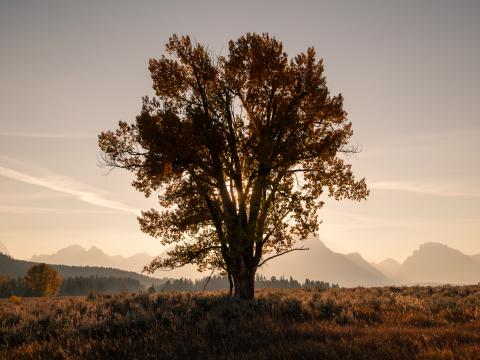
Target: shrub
[91,296]
[17,300]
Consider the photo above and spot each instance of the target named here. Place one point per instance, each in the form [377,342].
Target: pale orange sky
[408,71]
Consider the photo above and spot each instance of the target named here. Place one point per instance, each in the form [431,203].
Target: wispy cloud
[31,196]
[14,209]
[420,188]
[49,135]
[67,186]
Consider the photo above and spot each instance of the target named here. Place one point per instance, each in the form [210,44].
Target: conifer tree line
[74,286]
[82,286]
[221,282]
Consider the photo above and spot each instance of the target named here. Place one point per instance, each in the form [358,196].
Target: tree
[43,280]
[5,286]
[240,149]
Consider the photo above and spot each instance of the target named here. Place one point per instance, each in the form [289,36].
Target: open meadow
[361,323]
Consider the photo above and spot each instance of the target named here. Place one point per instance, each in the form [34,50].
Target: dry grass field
[362,323]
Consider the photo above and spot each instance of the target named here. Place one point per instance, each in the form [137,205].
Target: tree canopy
[43,280]
[240,149]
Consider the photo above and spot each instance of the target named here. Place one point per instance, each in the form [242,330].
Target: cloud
[30,196]
[419,188]
[67,186]
[13,209]
[49,135]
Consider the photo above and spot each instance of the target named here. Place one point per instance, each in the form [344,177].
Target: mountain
[476,257]
[188,271]
[321,263]
[437,263]
[77,255]
[317,263]
[365,265]
[135,262]
[18,268]
[388,267]
[3,249]
[432,263]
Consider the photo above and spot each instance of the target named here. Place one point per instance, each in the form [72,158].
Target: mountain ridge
[438,263]
[322,263]
[429,264]
[389,267]
[76,255]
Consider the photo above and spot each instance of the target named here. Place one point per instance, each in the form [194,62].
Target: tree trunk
[244,285]
[230,282]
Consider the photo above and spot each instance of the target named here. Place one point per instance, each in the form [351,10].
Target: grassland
[362,323]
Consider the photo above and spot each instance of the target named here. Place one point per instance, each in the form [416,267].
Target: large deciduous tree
[239,149]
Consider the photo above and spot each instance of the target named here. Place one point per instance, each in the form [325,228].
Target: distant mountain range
[77,255]
[321,263]
[437,263]
[432,263]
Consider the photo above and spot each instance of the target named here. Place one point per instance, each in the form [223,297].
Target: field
[362,323]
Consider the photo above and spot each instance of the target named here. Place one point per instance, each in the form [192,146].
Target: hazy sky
[408,71]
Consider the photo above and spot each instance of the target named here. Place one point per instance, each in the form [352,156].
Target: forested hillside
[18,268]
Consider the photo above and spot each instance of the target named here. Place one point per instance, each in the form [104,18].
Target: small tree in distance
[43,280]
[240,149]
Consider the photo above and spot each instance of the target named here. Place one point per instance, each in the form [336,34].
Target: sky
[408,71]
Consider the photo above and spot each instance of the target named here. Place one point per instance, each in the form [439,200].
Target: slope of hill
[438,263]
[3,249]
[78,256]
[476,257]
[365,265]
[188,271]
[18,268]
[388,267]
[321,263]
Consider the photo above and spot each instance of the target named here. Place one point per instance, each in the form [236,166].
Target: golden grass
[362,323]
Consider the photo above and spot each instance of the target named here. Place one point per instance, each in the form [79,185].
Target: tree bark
[230,282]
[244,285]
